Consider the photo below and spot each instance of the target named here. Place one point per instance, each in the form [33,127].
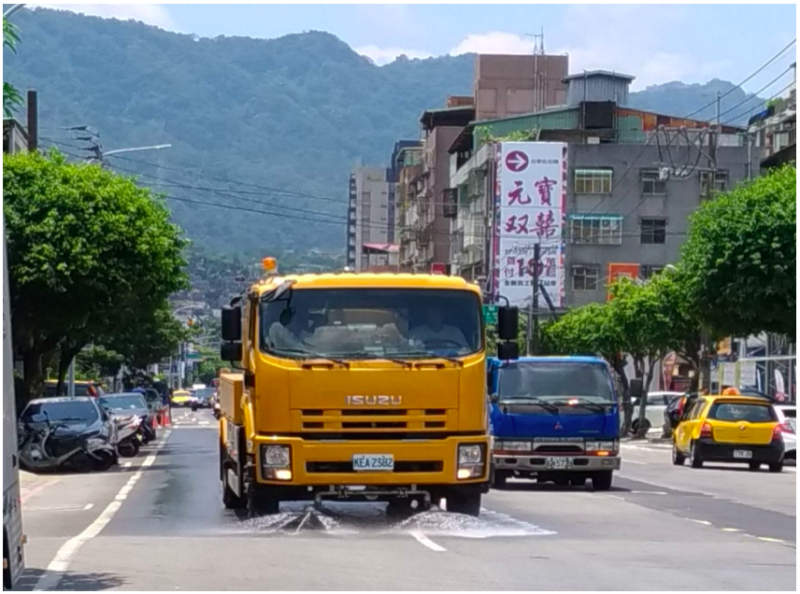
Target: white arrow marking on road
[424,540]
[55,571]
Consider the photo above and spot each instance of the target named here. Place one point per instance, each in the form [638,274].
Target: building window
[585,278]
[647,270]
[717,180]
[652,185]
[593,181]
[654,231]
[596,229]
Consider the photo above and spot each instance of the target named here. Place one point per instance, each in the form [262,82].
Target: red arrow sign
[517,161]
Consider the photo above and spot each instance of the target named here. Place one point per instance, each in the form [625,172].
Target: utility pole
[533,310]
[33,121]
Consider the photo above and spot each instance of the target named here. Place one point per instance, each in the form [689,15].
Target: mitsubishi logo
[558,427]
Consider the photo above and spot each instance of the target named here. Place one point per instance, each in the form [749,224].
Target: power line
[758,106]
[230,181]
[755,95]
[731,90]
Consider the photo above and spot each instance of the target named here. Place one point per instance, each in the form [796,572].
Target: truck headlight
[275,456]
[597,446]
[513,446]
[470,461]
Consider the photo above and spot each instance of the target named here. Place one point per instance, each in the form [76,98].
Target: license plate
[742,454]
[558,463]
[374,462]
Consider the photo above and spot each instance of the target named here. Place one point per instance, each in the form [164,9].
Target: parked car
[82,388]
[66,432]
[654,413]
[741,429]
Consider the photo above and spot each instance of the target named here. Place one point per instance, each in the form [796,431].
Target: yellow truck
[355,386]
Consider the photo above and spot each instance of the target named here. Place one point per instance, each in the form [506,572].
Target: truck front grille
[374,421]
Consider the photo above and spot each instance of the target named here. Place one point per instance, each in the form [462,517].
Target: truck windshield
[372,323]
[555,382]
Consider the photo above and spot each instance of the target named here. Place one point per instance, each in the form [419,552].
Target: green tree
[740,258]
[11,96]
[97,362]
[90,253]
[149,338]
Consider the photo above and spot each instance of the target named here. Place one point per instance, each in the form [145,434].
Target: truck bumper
[529,463]
[316,463]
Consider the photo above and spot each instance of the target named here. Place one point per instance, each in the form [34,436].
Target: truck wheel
[499,478]
[578,481]
[601,481]
[467,502]
[229,498]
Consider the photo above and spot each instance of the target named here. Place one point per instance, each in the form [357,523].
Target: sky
[654,43]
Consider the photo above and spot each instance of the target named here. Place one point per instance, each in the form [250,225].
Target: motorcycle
[41,445]
[217,411]
[129,437]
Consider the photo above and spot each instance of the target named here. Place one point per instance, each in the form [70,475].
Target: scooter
[129,438]
[35,455]
[217,411]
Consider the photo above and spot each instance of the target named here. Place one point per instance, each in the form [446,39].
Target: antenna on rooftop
[539,78]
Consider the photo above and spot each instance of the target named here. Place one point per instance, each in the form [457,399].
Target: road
[158,524]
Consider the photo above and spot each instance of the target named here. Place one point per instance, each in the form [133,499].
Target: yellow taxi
[730,428]
[180,398]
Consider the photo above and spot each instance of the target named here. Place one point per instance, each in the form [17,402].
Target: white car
[654,413]
[787,415]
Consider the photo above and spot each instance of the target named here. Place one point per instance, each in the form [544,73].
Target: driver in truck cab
[435,332]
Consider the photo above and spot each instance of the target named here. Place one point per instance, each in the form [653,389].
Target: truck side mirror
[636,388]
[231,325]
[494,398]
[508,351]
[507,323]
[231,351]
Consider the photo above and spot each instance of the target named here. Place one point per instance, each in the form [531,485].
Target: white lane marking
[60,563]
[54,508]
[424,540]
[731,530]
[703,522]
[626,461]
[205,423]
[649,492]
[127,464]
[88,506]
[790,469]
[768,539]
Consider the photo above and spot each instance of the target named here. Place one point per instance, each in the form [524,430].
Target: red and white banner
[530,201]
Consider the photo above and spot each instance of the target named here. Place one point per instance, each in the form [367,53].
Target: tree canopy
[89,252]
[740,259]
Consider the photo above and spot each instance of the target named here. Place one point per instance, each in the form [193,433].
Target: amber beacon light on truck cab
[355,386]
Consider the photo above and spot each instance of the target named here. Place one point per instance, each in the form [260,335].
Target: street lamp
[12,10]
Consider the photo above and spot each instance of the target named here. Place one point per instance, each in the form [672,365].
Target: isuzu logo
[373,400]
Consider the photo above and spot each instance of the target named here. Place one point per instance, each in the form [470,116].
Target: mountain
[288,117]
[679,99]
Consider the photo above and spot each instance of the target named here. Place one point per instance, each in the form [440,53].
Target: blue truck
[553,419]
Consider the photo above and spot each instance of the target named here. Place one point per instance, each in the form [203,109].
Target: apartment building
[627,203]
[370,234]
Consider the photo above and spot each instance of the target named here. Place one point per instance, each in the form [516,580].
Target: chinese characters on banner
[530,198]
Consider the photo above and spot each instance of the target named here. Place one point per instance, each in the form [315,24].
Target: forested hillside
[289,116]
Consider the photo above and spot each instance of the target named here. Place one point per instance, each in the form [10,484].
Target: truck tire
[464,501]
[601,481]
[499,478]
[400,509]
[578,481]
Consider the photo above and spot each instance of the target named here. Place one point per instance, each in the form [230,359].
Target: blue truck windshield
[555,382]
